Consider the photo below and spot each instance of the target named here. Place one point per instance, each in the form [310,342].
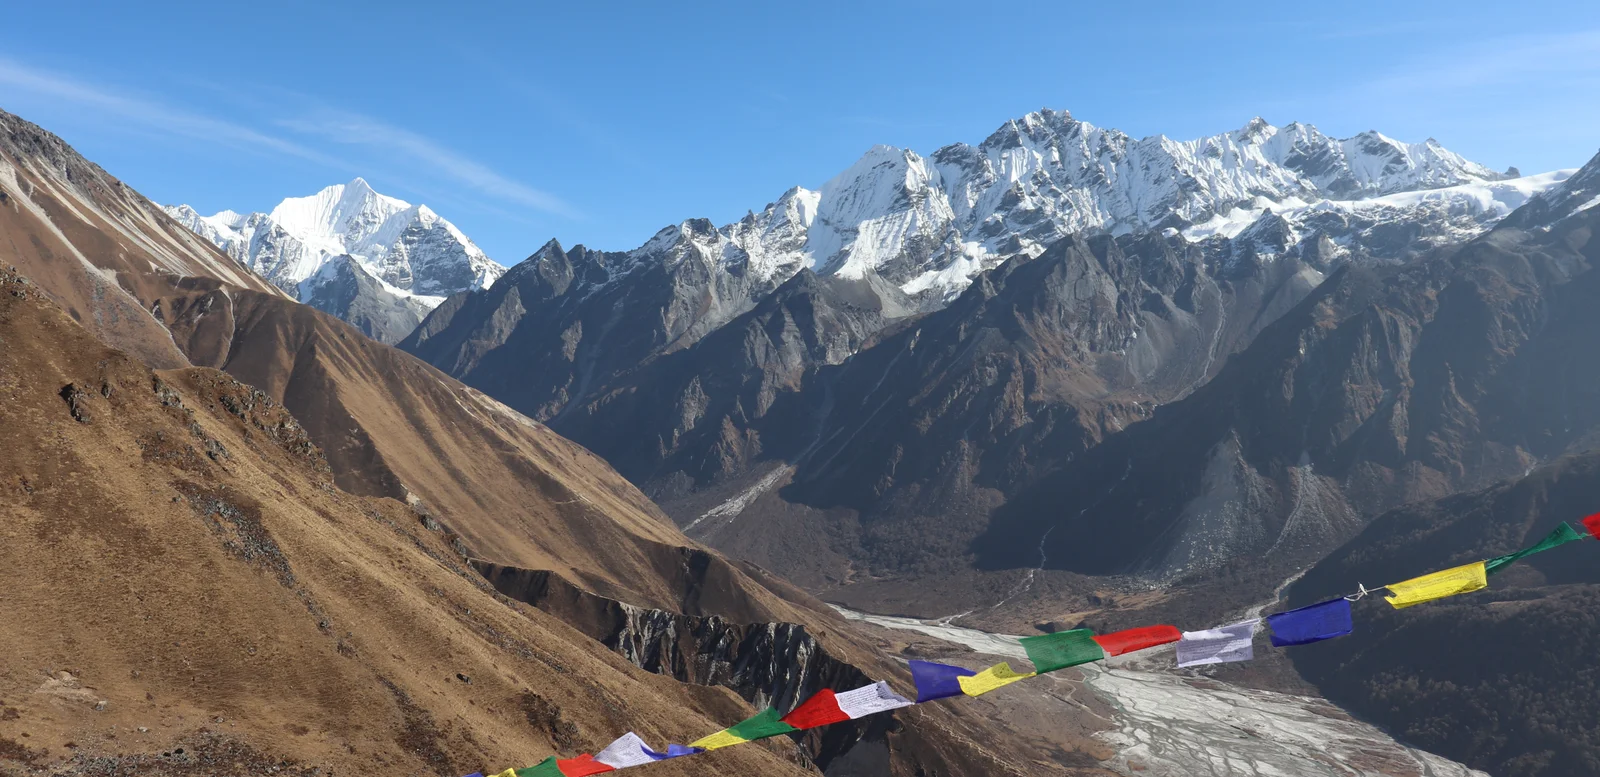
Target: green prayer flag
[767,724]
[1062,649]
[1561,536]
[545,768]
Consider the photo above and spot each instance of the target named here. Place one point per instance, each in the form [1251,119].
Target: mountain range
[889,360]
[1063,378]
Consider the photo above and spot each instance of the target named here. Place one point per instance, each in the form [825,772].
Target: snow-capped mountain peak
[409,248]
[346,213]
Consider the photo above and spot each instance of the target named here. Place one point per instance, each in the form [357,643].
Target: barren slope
[174,547]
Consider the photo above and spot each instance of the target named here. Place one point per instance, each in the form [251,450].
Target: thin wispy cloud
[354,129]
[394,146]
[153,114]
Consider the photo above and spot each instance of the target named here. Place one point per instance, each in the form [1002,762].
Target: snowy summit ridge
[929,224]
[409,249]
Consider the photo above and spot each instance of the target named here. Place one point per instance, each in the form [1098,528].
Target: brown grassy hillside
[180,572]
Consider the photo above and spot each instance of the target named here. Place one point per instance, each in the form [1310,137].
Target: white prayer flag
[871,699]
[1220,645]
[627,751]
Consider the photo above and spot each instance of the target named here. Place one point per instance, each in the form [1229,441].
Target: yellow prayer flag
[997,676]
[1458,580]
[720,739]
[506,773]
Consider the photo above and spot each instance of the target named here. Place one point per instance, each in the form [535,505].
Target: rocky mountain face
[768,664]
[907,446]
[1382,387]
[565,324]
[407,257]
[348,290]
[1501,679]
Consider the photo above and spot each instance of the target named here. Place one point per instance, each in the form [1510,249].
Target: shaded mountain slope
[1382,387]
[350,292]
[1502,679]
[699,413]
[898,454]
[562,324]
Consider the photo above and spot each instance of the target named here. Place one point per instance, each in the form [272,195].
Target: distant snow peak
[409,248]
[1452,213]
[929,224]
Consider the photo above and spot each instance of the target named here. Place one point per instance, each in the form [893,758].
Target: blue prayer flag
[937,681]
[1311,624]
[673,751]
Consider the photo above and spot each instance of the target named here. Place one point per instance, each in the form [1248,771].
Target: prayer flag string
[1053,652]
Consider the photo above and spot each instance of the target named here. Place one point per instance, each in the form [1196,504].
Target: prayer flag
[1561,536]
[476,774]
[1592,523]
[765,724]
[995,677]
[1315,623]
[674,751]
[628,750]
[718,741]
[819,710]
[1456,580]
[872,699]
[1221,645]
[545,768]
[583,766]
[1050,652]
[1129,640]
[937,681]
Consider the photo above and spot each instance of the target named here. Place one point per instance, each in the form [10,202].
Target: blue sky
[600,123]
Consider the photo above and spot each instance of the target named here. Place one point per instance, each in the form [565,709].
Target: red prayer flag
[1117,643]
[819,710]
[582,766]
[1592,523]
